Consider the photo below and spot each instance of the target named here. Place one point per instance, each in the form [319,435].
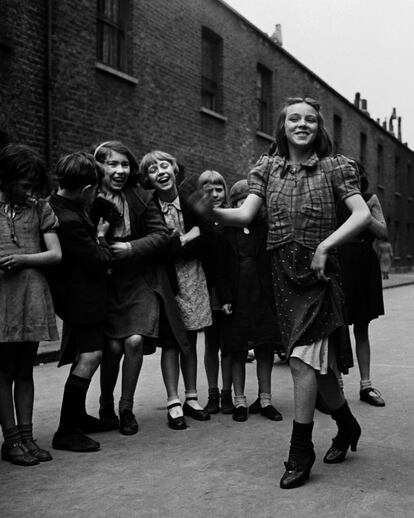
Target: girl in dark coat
[183,260]
[140,295]
[252,316]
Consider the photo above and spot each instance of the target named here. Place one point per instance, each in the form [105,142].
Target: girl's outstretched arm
[52,255]
[359,219]
[242,216]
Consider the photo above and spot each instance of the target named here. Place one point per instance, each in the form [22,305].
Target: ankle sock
[125,404]
[191,399]
[11,435]
[73,402]
[175,411]
[240,401]
[265,399]
[365,384]
[26,432]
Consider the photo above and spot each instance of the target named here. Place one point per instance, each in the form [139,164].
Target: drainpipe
[49,107]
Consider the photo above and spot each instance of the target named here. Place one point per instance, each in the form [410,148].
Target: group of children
[133,261]
[130,265]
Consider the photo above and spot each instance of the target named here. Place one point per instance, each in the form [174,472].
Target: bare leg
[362,348]
[189,363]
[170,371]
[304,390]
[131,368]
[111,358]
[264,359]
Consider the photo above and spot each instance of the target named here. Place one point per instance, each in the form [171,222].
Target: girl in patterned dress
[28,244]
[183,259]
[299,185]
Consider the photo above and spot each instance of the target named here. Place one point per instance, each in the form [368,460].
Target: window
[409,181]
[111,33]
[362,148]
[397,174]
[211,71]
[337,134]
[264,99]
[380,164]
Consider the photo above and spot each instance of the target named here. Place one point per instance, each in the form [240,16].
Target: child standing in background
[188,278]
[214,182]
[251,316]
[28,243]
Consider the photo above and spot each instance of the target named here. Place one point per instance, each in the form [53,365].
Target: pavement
[225,469]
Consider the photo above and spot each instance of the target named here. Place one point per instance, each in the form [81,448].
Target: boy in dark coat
[79,289]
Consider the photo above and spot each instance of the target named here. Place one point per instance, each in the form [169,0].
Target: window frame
[211,71]
[264,99]
[111,34]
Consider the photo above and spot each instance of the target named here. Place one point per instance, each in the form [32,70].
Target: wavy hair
[322,144]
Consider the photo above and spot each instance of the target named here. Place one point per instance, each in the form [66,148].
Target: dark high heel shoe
[297,472]
[340,445]
[176,423]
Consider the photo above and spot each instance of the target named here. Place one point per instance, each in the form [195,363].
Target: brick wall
[157,105]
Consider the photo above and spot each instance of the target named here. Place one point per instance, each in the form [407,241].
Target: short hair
[77,170]
[361,173]
[322,144]
[20,161]
[209,176]
[102,151]
[151,158]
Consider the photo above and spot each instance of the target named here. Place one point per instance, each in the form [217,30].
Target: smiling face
[22,189]
[301,125]
[117,171]
[161,177]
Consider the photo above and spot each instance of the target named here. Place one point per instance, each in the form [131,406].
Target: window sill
[265,136]
[213,114]
[381,187]
[397,194]
[116,73]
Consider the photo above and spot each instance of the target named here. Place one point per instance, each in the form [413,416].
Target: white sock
[265,399]
[175,411]
[240,401]
[191,399]
[364,384]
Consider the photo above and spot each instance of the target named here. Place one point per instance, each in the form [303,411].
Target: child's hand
[120,250]
[227,309]
[190,235]
[201,201]
[319,262]
[102,228]
[12,263]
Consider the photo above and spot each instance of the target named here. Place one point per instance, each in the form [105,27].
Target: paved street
[227,469]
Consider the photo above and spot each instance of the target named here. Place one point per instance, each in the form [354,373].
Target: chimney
[357,100]
[391,121]
[384,124]
[276,37]
[399,129]
[364,106]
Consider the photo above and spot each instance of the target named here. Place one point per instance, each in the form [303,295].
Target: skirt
[309,310]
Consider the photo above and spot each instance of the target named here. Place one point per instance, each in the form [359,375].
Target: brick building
[192,77]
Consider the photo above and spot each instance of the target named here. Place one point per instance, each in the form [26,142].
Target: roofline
[315,76]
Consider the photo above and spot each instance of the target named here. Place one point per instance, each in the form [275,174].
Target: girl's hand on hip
[318,263]
[12,263]
[227,309]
